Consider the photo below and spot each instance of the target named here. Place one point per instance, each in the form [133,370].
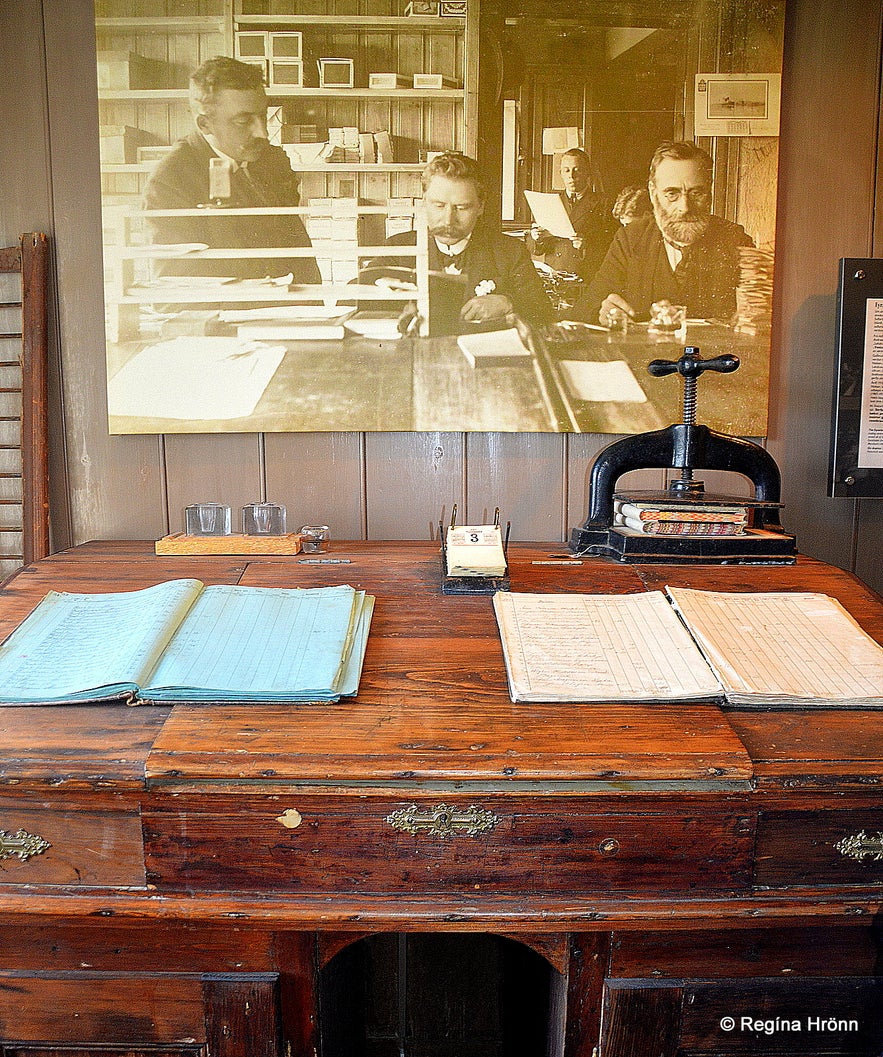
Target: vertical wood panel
[825,210]
[521,473]
[412,480]
[212,468]
[869,563]
[26,201]
[115,482]
[318,476]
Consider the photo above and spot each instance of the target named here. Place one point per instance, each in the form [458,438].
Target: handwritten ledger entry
[786,647]
[772,650]
[599,648]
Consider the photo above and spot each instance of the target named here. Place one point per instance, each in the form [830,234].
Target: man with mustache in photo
[229,107]
[682,253]
[497,279]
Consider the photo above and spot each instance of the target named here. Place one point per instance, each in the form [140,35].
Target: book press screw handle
[690,366]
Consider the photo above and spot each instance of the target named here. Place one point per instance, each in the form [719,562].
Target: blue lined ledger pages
[260,643]
[182,641]
[78,647]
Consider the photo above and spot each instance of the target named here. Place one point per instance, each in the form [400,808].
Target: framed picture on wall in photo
[728,104]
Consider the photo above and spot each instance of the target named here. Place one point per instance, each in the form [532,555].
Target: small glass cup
[207,519]
[263,519]
[668,321]
[617,321]
[314,538]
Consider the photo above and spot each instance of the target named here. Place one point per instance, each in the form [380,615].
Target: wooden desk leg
[576,1007]
[297,957]
[641,1020]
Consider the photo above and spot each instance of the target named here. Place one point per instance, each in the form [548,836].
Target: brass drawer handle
[21,844]
[443,820]
[860,846]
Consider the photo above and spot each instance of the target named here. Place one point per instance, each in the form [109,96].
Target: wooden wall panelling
[116,487]
[211,468]
[411,481]
[825,211]
[24,161]
[869,564]
[582,449]
[319,477]
[26,205]
[521,473]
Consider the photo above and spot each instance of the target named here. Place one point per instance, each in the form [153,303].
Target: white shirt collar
[234,165]
[457,247]
[674,253]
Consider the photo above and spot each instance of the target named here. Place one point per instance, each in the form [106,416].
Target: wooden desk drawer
[819,848]
[69,843]
[365,844]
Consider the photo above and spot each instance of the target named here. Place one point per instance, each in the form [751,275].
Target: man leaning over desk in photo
[681,253]
[229,107]
[499,280]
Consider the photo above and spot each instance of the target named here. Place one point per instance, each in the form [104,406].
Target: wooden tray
[181,543]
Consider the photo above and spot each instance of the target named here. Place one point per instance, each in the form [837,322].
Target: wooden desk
[673,865]
[427,384]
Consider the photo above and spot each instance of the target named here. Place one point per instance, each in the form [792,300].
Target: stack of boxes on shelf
[125,71]
[400,215]
[333,226]
[444,8]
[279,55]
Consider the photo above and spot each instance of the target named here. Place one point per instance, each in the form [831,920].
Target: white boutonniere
[486,286]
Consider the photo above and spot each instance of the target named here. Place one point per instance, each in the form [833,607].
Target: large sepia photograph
[440,215]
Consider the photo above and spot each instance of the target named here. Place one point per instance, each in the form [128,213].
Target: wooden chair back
[24,444]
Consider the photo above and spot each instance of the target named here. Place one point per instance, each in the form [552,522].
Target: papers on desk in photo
[603,381]
[494,348]
[194,378]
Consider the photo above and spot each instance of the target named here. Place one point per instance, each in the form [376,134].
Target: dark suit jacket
[489,256]
[594,224]
[181,181]
[636,267]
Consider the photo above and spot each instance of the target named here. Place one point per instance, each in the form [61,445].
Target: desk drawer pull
[21,844]
[443,820]
[861,846]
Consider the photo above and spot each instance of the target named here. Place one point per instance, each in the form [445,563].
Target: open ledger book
[182,641]
[770,650]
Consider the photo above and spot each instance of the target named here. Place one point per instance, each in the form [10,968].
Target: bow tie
[452,260]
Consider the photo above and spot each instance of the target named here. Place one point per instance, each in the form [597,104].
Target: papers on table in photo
[173,249]
[194,378]
[611,380]
[315,314]
[550,214]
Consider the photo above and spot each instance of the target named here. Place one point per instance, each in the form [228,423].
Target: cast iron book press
[686,446]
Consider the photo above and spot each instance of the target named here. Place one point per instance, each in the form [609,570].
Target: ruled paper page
[784,647]
[570,647]
[259,643]
[81,647]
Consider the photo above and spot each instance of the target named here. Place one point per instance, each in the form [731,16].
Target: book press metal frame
[686,446]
